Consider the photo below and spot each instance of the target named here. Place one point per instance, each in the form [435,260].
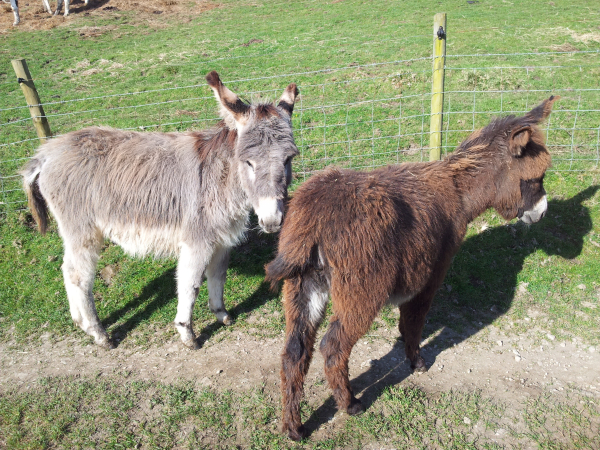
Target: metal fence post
[437,94]
[42,127]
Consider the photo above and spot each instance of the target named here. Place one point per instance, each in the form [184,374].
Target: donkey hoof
[355,408]
[227,320]
[223,317]
[419,366]
[299,434]
[106,343]
[192,344]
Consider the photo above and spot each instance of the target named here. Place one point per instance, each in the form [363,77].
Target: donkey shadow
[247,259]
[81,8]
[481,296]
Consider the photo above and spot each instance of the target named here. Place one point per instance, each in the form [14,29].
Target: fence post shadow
[563,238]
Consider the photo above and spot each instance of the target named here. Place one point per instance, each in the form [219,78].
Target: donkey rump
[169,194]
[388,236]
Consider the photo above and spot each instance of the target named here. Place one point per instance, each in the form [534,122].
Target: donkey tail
[37,203]
[280,269]
[291,264]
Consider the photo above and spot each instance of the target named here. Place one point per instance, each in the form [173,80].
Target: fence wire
[359,116]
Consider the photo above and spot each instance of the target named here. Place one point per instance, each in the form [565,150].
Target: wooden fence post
[437,94]
[42,127]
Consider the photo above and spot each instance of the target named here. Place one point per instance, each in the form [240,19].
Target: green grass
[114,412]
[509,275]
[364,74]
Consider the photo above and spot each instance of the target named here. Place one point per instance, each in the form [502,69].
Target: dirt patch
[154,13]
[508,369]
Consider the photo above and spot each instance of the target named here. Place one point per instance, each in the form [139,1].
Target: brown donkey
[388,236]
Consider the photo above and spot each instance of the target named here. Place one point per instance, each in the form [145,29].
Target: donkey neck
[221,184]
[474,183]
[223,165]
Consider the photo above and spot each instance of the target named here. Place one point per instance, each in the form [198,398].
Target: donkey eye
[250,165]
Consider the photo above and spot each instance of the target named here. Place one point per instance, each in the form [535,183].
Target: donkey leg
[59,4]
[14,4]
[190,269]
[67,7]
[343,333]
[47,6]
[216,272]
[304,300]
[79,268]
[412,320]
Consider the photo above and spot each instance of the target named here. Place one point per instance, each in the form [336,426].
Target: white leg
[216,272]
[15,7]
[47,6]
[67,7]
[86,2]
[190,268]
[79,269]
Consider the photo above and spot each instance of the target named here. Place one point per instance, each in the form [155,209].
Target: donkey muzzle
[270,214]
[536,213]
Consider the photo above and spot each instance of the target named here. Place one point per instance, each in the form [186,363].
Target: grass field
[363,69]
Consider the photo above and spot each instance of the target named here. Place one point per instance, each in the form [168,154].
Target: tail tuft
[37,203]
[278,270]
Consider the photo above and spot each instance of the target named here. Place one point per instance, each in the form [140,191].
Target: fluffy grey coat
[187,195]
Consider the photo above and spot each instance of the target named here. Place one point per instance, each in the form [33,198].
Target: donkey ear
[543,110]
[287,100]
[233,110]
[519,138]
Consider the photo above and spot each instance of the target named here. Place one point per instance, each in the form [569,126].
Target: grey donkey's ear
[287,100]
[233,110]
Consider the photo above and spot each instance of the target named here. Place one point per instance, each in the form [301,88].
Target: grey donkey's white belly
[166,241]
[142,241]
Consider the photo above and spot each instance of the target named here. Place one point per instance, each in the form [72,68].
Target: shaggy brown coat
[389,235]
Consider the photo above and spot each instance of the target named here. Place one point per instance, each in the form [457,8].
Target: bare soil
[506,369]
[152,13]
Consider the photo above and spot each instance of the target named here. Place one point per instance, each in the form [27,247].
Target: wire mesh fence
[358,116]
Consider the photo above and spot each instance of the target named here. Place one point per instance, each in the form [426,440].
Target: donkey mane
[211,140]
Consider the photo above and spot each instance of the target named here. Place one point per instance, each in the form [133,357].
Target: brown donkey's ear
[519,139]
[233,110]
[543,110]
[287,100]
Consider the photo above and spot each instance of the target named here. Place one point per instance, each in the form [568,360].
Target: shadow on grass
[248,259]
[81,8]
[161,290]
[484,279]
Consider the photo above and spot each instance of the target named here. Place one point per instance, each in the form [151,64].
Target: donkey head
[264,149]
[524,161]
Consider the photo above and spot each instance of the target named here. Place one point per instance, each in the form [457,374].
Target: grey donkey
[169,194]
